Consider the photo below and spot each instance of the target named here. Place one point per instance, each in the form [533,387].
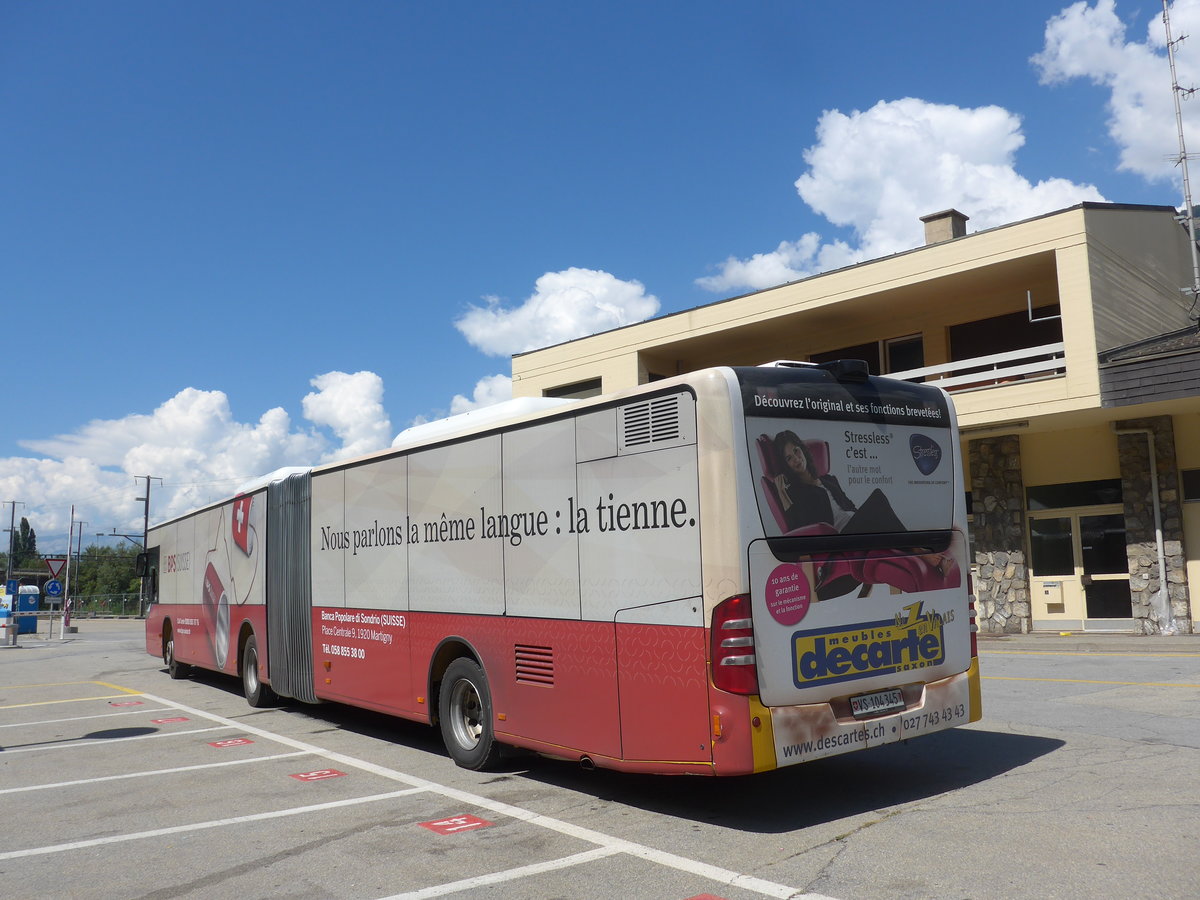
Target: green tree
[106,571]
[25,552]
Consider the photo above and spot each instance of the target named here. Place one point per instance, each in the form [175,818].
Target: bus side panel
[360,615]
[211,582]
[361,657]
[555,684]
[663,690]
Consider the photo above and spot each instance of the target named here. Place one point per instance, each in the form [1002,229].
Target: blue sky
[237,236]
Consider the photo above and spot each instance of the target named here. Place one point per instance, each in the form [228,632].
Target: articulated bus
[718,573]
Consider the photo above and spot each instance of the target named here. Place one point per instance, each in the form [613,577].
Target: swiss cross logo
[230,742]
[455,824]
[318,775]
[241,524]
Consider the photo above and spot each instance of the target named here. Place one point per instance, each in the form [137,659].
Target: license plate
[876,704]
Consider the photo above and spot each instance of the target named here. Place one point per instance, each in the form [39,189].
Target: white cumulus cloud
[564,305]
[195,445]
[878,171]
[489,390]
[352,407]
[1090,41]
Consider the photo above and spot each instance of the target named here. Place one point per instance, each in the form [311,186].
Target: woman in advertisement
[809,497]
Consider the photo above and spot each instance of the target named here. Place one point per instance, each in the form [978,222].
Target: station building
[1072,351]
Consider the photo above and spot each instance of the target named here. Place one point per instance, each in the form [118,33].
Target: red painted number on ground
[456,824]
[231,742]
[318,775]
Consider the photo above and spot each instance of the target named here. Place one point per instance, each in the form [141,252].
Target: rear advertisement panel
[859,585]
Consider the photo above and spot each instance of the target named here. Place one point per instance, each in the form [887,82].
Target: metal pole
[1189,213]
[79,550]
[66,610]
[14,590]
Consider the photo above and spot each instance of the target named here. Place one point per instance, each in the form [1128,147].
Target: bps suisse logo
[913,640]
[926,453]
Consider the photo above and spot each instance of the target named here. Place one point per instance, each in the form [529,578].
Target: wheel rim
[171,651]
[251,672]
[466,711]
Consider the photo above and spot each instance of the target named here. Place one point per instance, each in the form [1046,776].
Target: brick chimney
[944,226]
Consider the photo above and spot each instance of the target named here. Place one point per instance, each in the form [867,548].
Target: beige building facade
[1072,354]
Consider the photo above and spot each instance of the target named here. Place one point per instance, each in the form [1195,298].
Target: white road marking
[124,712]
[467,884]
[73,745]
[150,774]
[201,826]
[671,860]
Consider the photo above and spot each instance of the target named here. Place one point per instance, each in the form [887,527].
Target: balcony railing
[1045,361]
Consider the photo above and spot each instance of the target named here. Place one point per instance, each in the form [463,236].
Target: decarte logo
[914,639]
[926,453]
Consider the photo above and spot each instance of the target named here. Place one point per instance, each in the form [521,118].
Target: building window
[1191,483]
[869,353]
[891,355]
[1074,493]
[577,391]
[1004,334]
[904,353]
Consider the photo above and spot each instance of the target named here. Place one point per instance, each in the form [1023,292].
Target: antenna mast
[1189,211]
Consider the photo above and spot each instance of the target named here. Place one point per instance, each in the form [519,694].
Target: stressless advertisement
[841,615]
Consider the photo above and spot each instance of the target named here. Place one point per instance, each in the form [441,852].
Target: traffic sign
[55,564]
[53,588]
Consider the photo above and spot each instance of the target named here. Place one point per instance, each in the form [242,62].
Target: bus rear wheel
[257,694]
[175,668]
[465,716]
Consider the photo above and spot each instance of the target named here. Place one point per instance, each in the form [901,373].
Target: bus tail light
[731,653]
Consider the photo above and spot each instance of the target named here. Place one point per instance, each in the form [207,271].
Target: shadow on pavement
[816,792]
[772,802]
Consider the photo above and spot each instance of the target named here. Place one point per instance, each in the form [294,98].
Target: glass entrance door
[1079,570]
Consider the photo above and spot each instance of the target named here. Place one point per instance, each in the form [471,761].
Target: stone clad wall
[1172,614]
[998,506]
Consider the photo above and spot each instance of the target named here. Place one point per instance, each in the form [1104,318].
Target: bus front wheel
[257,694]
[465,716]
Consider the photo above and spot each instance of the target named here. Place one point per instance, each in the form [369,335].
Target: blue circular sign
[53,588]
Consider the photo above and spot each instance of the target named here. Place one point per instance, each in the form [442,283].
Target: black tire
[465,716]
[175,668]
[257,693]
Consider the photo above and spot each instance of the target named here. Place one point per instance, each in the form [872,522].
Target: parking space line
[67,700]
[1182,654]
[1181,684]
[671,860]
[112,687]
[72,745]
[150,774]
[124,712]
[466,884]
[201,826]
